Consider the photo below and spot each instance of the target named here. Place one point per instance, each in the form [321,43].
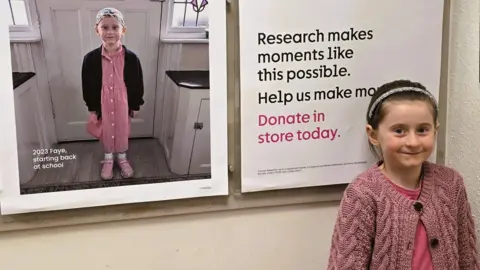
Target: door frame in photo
[68,125]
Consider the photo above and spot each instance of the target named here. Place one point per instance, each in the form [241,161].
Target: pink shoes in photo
[107,169]
[125,169]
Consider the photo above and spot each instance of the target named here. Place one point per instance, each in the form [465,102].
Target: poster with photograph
[109,102]
[308,69]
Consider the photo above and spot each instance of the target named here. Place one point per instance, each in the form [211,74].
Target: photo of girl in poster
[112,84]
[115,102]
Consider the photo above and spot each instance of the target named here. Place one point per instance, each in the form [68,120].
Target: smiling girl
[404,212]
[112,84]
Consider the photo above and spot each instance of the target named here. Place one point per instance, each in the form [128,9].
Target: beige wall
[280,238]
[463,118]
[267,239]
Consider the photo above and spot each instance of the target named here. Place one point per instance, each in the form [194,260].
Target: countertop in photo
[21,77]
[192,79]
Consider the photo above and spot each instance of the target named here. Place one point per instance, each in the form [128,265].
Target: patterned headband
[398,90]
[110,12]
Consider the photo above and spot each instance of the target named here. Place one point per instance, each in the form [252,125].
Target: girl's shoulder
[367,184]
[371,184]
[129,52]
[369,178]
[93,53]
[444,176]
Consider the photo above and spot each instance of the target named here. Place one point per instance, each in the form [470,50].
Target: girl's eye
[398,131]
[423,130]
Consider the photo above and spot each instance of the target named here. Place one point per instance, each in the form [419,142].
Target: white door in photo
[67,29]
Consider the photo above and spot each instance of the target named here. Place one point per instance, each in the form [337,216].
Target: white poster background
[14,203]
[406,44]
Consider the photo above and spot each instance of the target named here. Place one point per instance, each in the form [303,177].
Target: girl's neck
[112,48]
[409,179]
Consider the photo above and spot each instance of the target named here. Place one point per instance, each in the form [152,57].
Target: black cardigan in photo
[92,80]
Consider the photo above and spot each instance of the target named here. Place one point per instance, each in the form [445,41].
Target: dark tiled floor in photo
[146,156]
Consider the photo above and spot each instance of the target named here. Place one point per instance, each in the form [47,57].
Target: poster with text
[308,69]
[108,103]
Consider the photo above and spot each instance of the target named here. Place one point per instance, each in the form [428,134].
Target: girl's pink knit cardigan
[375,227]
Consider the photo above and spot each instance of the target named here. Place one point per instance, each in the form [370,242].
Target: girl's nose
[412,140]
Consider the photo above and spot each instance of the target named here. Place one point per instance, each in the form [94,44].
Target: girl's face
[110,30]
[406,135]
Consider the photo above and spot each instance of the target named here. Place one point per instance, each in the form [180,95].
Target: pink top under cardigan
[422,258]
[376,225]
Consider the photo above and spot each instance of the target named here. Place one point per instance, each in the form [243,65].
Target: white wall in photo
[346,44]
[57,77]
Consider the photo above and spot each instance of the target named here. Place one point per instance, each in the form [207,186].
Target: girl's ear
[96,30]
[372,135]
[124,30]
